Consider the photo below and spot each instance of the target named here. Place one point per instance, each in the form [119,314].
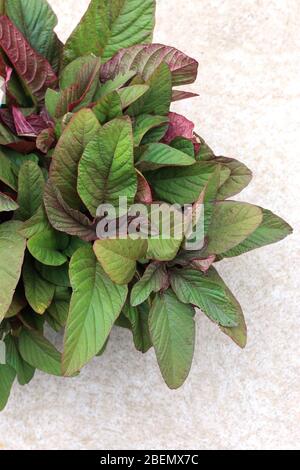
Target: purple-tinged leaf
[65,219]
[36,20]
[154,279]
[178,95]
[22,126]
[45,140]
[145,59]
[203,264]
[32,68]
[144,193]
[40,121]
[83,88]
[179,126]
[8,139]
[32,125]
[7,203]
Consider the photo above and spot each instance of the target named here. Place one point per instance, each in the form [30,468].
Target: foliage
[84,124]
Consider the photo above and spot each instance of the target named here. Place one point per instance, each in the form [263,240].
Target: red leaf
[23,127]
[32,125]
[65,219]
[179,126]
[144,193]
[34,70]
[146,58]
[22,146]
[178,95]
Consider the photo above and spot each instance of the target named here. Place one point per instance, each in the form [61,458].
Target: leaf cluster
[84,124]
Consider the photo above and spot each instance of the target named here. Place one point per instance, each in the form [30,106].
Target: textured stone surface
[249,85]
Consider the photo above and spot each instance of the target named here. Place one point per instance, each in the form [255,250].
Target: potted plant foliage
[82,126]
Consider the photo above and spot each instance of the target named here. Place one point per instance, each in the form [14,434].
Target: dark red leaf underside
[32,68]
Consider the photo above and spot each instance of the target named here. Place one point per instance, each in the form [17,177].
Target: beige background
[249,107]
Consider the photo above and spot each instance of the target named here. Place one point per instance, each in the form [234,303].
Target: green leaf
[39,293]
[143,124]
[131,94]
[69,75]
[25,371]
[220,174]
[7,378]
[18,159]
[39,352]
[63,171]
[36,21]
[172,330]
[138,318]
[82,89]
[238,333]
[181,185]
[145,59]
[115,84]
[108,107]
[57,312]
[95,305]
[240,176]
[106,170]
[36,224]
[118,257]
[158,98]
[155,135]
[160,155]
[12,248]
[7,174]
[167,232]
[232,223]
[65,219]
[201,290]
[184,145]
[155,278]
[30,190]
[57,275]
[51,101]
[17,305]
[161,249]
[271,230]
[33,320]
[74,245]
[205,153]
[110,26]
[7,204]
[6,136]
[47,247]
